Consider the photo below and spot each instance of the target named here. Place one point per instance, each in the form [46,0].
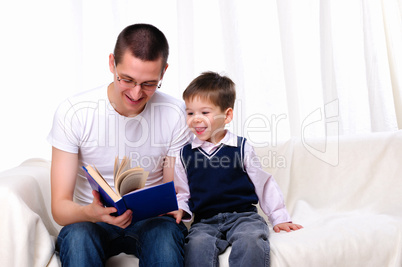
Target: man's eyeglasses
[131,84]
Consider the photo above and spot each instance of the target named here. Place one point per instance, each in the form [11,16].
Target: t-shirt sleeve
[63,134]
[181,134]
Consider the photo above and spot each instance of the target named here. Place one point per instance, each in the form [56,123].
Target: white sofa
[346,192]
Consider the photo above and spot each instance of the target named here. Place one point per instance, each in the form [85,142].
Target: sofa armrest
[27,229]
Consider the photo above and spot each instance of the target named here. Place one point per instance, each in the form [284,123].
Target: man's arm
[168,169]
[168,175]
[64,210]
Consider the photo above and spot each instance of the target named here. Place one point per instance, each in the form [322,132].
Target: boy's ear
[228,115]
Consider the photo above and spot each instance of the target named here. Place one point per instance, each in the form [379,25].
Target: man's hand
[99,213]
[287,227]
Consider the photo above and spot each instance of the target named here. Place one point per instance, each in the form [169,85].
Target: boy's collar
[229,139]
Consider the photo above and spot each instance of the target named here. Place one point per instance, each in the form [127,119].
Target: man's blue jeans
[246,232]
[156,242]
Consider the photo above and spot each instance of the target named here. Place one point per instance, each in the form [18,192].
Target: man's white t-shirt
[88,124]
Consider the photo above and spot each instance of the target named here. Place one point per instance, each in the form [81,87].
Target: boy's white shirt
[269,194]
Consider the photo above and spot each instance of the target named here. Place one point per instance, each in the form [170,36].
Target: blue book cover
[151,201]
[145,203]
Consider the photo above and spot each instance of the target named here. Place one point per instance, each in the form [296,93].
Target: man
[127,117]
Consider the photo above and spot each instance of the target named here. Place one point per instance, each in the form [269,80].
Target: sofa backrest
[345,173]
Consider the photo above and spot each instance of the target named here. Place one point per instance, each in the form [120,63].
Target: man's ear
[111,63]
[164,70]
[228,115]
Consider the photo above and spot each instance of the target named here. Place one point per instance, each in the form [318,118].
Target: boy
[218,181]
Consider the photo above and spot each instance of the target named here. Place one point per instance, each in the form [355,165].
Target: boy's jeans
[156,242]
[246,232]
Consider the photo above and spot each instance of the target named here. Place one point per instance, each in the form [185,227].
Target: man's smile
[131,100]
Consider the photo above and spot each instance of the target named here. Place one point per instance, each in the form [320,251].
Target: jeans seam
[215,261]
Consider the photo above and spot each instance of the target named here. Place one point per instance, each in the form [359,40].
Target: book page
[119,168]
[94,173]
[124,165]
[98,172]
[115,168]
[131,180]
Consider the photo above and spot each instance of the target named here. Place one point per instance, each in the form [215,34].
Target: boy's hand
[287,227]
[177,214]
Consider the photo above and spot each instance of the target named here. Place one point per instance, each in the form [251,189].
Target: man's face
[129,100]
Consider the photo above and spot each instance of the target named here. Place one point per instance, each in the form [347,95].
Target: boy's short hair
[211,86]
[143,41]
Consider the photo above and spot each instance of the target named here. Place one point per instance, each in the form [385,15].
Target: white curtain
[313,67]
[302,68]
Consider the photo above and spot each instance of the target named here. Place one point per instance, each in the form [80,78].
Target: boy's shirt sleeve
[182,188]
[269,194]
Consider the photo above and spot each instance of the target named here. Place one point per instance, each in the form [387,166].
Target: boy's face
[206,120]
[130,100]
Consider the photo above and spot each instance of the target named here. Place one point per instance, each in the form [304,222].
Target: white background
[297,64]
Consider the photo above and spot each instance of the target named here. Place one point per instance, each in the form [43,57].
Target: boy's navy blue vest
[218,182]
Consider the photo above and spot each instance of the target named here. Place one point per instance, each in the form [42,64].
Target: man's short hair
[143,41]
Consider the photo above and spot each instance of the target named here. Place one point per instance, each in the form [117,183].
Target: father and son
[221,200]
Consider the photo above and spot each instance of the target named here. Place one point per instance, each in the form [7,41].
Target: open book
[130,192]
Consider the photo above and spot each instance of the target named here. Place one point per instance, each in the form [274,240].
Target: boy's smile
[206,120]
[200,130]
